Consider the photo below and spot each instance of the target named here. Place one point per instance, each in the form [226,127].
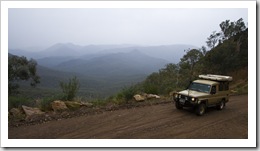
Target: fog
[43,27]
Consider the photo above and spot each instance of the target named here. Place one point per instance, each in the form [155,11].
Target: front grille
[186,97]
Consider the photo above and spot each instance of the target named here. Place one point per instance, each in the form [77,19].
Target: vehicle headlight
[179,96]
[193,99]
[176,95]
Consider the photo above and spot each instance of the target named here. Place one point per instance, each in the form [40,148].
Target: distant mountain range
[101,69]
[65,50]
[114,64]
[172,53]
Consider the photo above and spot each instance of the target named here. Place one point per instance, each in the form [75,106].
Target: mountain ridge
[171,53]
[117,64]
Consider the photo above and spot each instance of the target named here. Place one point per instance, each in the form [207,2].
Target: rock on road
[156,121]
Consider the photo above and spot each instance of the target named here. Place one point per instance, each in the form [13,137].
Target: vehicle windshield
[199,87]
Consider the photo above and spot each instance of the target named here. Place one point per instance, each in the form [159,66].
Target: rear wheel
[178,105]
[201,108]
[221,105]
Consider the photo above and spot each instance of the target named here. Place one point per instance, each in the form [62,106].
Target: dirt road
[157,121]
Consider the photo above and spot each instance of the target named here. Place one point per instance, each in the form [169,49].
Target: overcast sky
[30,27]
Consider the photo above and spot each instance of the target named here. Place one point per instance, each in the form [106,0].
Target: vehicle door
[215,96]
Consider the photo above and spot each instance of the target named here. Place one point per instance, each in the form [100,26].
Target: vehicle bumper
[186,103]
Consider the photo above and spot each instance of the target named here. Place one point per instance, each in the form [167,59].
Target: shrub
[99,102]
[16,102]
[118,99]
[150,88]
[127,93]
[45,103]
[70,89]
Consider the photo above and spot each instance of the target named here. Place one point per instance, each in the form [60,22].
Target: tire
[221,105]
[178,105]
[200,110]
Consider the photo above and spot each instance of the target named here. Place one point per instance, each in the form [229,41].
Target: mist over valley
[101,69]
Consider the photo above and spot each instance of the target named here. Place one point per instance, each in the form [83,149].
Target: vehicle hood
[192,93]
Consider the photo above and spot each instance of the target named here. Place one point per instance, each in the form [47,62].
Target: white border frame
[250,142]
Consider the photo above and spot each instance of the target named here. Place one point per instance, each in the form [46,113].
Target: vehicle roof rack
[216,77]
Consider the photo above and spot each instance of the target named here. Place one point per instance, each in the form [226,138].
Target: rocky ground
[158,120]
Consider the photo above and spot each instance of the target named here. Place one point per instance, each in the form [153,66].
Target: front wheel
[178,105]
[201,108]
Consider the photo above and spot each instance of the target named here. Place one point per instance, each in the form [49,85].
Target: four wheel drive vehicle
[210,90]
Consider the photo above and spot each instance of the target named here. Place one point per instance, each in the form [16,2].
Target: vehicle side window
[213,89]
[223,86]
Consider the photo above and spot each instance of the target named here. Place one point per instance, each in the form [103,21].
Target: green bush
[150,88]
[118,99]
[119,96]
[45,103]
[127,93]
[16,102]
[99,102]
[70,89]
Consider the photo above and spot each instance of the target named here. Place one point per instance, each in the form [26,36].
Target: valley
[101,69]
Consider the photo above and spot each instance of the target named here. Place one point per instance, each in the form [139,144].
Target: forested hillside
[227,55]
